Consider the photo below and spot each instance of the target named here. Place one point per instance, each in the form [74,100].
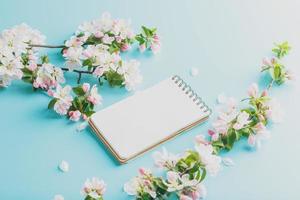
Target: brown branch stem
[47,46]
[80,72]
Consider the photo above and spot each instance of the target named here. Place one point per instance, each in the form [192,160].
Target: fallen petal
[58,197]
[194,71]
[228,162]
[221,98]
[64,166]
[81,127]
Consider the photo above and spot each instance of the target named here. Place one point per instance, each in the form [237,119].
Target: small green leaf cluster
[146,37]
[276,69]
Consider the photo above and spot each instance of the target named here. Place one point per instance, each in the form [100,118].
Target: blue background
[226,40]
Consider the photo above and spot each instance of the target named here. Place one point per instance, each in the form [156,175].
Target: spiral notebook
[148,118]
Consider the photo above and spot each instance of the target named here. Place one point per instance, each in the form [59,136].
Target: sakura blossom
[94,188]
[94,97]
[16,52]
[63,99]
[165,159]
[48,76]
[211,161]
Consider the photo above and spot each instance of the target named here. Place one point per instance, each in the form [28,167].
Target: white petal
[64,166]
[58,197]
[221,98]
[228,162]
[81,127]
[194,71]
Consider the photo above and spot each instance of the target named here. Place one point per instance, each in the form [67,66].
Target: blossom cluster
[276,69]
[251,121]
[80,106]
[16,54]
[184,174]
[233,122]
[93,189]
[97,45]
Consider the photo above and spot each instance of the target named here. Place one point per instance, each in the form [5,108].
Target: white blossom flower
[165,159]
[253,90]
[94,97]
[212,162]
[48,76]
[274,111]
[173,181]
[227,111]
[73,56]
[94,188]
[241,121]
[74,115]
[132,187]
[14,43]
[131,72]
[10,69]
[261,134]
[64,99]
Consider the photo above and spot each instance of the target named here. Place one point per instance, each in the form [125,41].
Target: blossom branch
[47,46]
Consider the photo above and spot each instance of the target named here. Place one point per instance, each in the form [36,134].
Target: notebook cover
[189,92]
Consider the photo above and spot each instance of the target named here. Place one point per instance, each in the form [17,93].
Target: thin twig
[270,85]
[47,46]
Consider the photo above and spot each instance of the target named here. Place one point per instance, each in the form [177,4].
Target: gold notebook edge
[125,160]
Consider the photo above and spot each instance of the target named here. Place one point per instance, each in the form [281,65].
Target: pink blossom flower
[62,107]
[107,40]
[86,87]
[84,117]
[118,39]
[253,90]
[264,93]
[32,66]
[125,47]
[99,34]
[165,159]
[156,39]
[94,97]
[241,121]
[98,71]
[142,47]
[74,115]
[268,61]
[185,197]
[155,48]
[50,93]
[201,140]
[94,188]
[289,75]
[251,140]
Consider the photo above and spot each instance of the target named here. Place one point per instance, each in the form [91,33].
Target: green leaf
[78,90]
[277,72]
[87,62]
[45,59]
[147,31]
[203,174]
[231,137]
[114,78]
[89,113]
[51,103]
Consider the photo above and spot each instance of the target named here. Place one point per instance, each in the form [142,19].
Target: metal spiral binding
[189,91]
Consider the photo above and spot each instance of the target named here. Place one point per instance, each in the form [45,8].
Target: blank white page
[149,117]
